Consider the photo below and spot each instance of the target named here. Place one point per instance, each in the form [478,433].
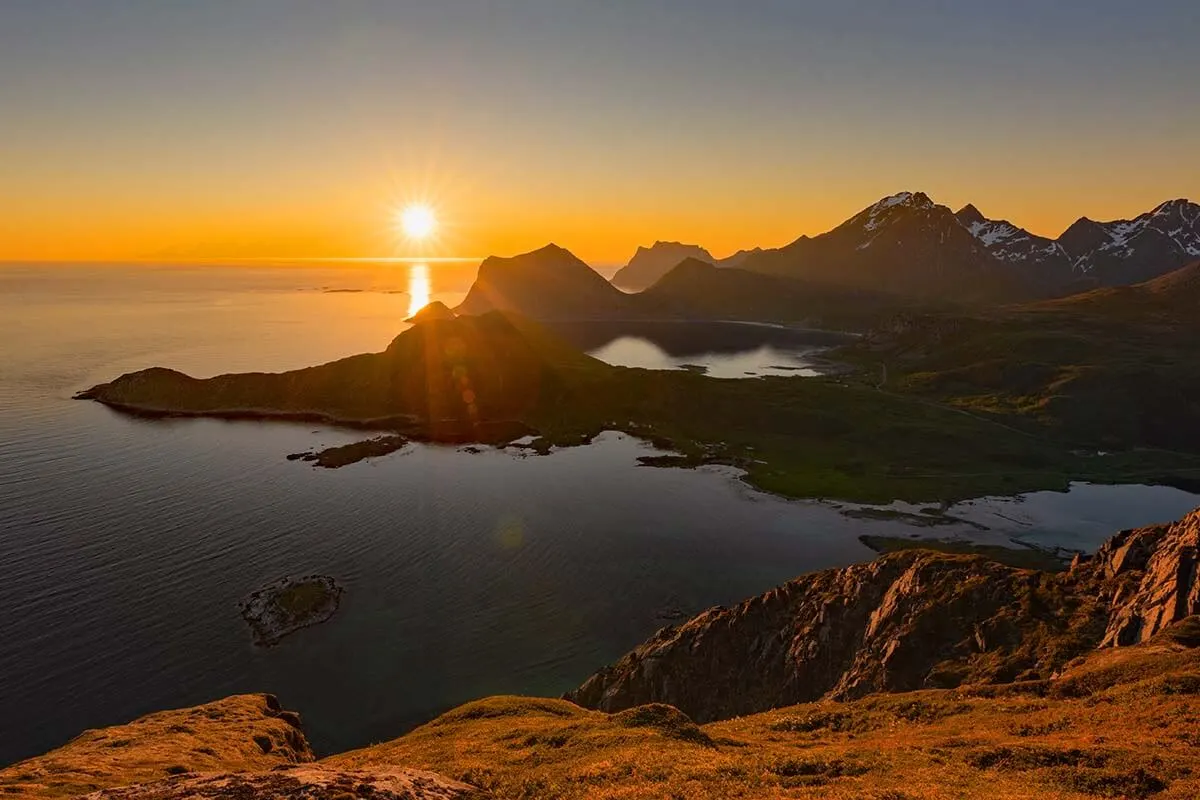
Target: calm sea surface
[126,544]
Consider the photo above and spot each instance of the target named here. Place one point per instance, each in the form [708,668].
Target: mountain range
[551,284]
[907,244]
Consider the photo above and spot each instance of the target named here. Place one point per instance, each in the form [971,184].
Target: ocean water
[125,544]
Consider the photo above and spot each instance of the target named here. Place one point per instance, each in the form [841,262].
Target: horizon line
[228,259]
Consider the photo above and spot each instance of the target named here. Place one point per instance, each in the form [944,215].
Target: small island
[289,604]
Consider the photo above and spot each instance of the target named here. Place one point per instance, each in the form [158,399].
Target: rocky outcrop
[309,782]
[288,605]
[908,621]
[1163,579]
[240,733]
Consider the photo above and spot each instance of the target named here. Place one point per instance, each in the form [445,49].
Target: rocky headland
[907,621]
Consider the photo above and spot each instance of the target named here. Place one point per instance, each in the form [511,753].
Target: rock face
[649,264]
[1164,579]
[244,732]
[309,782]
[907,621]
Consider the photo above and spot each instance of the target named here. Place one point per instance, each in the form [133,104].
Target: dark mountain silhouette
[738,258]
[444,379]
[901,252]
[433,311]
[905,245]
[651,263]
[549,283]
[697,290]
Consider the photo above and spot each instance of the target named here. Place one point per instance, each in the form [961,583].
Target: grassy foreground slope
[1121,723]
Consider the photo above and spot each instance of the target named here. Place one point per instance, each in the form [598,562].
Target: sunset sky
[242,128]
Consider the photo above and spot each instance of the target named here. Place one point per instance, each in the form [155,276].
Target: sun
[417,221]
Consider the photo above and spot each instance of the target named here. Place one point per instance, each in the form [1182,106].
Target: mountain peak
[649,264]
[970,215]
[1171,205]
[907,199]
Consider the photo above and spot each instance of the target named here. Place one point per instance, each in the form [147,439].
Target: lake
[125,544]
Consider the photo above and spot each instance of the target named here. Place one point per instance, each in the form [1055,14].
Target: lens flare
[417,221]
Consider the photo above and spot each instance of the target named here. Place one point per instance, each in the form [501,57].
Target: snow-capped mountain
[1095,253]
[907,244]
[904,244]
[1130,251]
[1006,241]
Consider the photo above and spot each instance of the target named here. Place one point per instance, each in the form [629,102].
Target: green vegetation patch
[1020,557]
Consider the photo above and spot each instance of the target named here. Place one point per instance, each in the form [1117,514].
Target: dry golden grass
[244,732]
[1121,723]
[1117,723]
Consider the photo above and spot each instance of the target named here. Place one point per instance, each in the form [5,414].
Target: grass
[244,732]
[1132,735]
[1118,723]
[1019,556]
[836,439]
[302,600]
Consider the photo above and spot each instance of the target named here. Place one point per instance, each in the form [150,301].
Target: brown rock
[908,621]
[1166,581]
[244,732]
[310,782]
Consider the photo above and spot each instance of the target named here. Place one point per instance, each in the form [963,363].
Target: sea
[126,544]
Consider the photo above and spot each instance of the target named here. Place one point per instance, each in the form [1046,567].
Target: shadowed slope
[1109,369]
[650,264]
[698,290]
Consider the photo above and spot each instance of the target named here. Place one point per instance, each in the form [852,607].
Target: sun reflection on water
[418,288]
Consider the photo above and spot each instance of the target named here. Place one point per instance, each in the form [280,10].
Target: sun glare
[417,222]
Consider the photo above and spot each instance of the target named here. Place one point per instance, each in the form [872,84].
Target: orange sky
[172,131]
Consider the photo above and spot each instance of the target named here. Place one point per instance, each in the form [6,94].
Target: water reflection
[418,288]
[724,350]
